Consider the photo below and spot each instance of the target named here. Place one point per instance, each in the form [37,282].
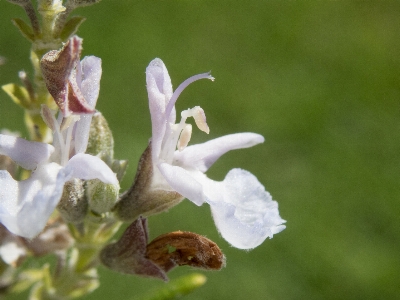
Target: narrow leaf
[24,28]
[71,27]
[18,94]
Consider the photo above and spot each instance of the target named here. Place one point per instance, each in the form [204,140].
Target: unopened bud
[100,137]
[101,196]
[73,205]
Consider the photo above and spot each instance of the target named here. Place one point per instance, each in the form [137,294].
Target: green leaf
[71,27]
[24,28]
[178,287]
[18,94]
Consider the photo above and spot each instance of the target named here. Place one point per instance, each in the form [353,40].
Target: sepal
[73,205]
[100,137]
[144,198]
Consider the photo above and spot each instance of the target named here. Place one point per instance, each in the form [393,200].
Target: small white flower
[25,206]
[244,212]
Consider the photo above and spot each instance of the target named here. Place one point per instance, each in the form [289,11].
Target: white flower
[243,211]
[25,206]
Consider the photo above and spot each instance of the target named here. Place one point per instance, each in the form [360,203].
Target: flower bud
[73,205]
[100,137]
[101,196]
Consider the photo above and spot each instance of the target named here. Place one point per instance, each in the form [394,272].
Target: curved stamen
[178,135]
[167,152]
[181,87]
[185,136]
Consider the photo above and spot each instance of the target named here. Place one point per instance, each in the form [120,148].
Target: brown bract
[60,69]
[181,248]
[128,254]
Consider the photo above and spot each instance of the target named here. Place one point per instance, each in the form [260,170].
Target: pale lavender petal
[90,87]
[81,133]
[25,206]
[243,211]
[157,80]
[8,195]
[91,75]
[33,215]
[203,156]
[183,182]
[25,153]
[159,72]
[86,166]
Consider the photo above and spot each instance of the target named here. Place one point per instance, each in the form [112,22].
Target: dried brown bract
[181,248]
[128,254]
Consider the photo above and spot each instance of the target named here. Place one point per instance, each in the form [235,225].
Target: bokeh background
[320,80]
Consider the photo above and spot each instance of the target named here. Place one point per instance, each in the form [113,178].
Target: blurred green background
[320,80]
